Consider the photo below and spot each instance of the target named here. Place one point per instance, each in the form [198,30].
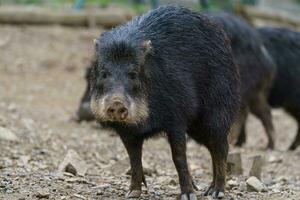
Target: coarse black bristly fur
[257,70]
[284,46]
[188,80]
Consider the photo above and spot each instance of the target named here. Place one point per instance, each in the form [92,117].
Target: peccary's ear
[147,47]
[96,43]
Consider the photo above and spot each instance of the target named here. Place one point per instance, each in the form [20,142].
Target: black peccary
[170,70]
[257,70]
[284,46]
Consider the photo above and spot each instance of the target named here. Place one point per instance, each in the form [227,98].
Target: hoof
[215,193]
[133,194]
[188,196]
[270,146]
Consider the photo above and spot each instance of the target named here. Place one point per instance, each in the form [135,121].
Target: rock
[232,183]
[254,184]
[43,193]
[281,179]
[243,187]
[274,159]
[275,190]
[78,196]
[8,135]
[73,164]
[24,160]
[257,165]
[102,186]
[234,164]
[173,182]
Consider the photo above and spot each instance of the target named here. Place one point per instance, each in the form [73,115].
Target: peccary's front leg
[134,150]
[177,142]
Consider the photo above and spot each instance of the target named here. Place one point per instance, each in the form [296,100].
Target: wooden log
[234,164]
[251,13]
[257,165]
[43,16]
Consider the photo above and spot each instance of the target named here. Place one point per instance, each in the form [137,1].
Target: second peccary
[284,47]
[170,70]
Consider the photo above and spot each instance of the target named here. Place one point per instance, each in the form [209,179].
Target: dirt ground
[41,82]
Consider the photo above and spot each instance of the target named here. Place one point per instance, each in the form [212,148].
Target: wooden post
[234,164]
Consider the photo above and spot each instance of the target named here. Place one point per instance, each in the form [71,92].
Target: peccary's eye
[104,74]
[132,75]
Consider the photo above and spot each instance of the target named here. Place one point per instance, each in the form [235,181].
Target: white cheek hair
[98,106]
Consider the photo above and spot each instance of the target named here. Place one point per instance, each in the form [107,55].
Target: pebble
[43,193]
[79,196]
[243,187]
[254,184]
[232,183]
[6,134]
[275,190]
[73,164]
[275,159]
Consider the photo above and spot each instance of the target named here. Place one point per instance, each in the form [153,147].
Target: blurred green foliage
[140,8]
[137,7]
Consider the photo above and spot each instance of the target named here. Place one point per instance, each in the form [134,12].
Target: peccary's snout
[117,110]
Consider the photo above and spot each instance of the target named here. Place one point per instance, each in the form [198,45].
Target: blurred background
[284,13]
[45,48]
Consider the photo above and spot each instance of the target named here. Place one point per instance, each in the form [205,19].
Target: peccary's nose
[117,111]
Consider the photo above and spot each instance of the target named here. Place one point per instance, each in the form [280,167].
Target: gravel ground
[41,82]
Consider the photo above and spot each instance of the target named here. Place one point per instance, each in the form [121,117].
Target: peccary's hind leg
[261,109]
[218,150]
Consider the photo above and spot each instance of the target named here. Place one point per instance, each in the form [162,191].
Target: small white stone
[232,183]
[274,159]
[254,184]
[73,164]
[243,187]
[7,135]
[275,190]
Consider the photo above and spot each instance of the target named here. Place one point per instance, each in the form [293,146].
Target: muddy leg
[178,147]
[261,109]
[134,150]
[219,152]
